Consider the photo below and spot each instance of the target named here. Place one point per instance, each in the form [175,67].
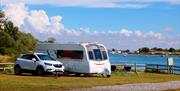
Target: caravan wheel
[86,75]
[78,74]
[107,76]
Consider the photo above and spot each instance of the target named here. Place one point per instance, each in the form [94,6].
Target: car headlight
[48,64]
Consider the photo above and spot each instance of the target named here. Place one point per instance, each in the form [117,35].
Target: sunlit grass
[9,82]
[6,59]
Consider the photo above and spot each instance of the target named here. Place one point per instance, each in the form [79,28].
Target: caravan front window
[90,53]
[97,54]
[72,54]
[104,55]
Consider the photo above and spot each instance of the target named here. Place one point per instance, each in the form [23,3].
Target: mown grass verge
[10,82]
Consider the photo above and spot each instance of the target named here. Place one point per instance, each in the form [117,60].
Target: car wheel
[17,70]
[40,71]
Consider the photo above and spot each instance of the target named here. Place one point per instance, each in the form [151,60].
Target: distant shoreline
[149,55]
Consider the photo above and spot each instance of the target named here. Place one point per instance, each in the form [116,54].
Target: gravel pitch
[135,87]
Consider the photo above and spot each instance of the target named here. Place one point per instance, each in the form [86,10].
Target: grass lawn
[10,82]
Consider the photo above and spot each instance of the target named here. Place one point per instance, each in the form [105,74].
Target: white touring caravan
[83,58]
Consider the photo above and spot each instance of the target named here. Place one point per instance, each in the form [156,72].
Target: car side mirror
[34,59]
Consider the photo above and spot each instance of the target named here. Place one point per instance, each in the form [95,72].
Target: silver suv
[37,63]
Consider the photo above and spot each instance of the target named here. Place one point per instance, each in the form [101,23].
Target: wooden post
[4,68]
[157,67]
[135,67]
[171,69]
[168,69]
[56,74]
[170,64]
[146,67]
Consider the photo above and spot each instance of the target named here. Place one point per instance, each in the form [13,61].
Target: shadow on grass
[53,75]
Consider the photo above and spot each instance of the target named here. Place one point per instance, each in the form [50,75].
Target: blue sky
[150,23]
[152,18]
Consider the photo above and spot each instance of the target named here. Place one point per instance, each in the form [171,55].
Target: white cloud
[16,13]
[41,26]
[126,32]
[40,22]
[95,3]
[124,39]
[168,29]
[33,21]
[55,24]
[38,19]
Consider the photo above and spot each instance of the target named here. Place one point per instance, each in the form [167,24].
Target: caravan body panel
[79,58]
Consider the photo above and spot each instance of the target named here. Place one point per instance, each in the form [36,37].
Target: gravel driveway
[135,87]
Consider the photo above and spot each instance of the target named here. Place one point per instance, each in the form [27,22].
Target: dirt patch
[136,87]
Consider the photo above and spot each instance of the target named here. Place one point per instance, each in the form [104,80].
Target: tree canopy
[13,41]
[172,50]
[144,50]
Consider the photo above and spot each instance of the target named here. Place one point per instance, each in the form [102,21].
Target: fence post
[168,69]
[135,67]
[3,67]
[145,67]
[171,69]
[157,67]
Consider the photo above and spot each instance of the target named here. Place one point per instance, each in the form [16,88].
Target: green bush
[13,41]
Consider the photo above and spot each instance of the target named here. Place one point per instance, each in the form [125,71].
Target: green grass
[10,82]
[6,59]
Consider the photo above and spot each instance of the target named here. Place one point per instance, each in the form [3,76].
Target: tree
[1,20]
[6,42]
[51,40]
[11,29]
[172,50]
[155,48]
[127,51]
[2,14]
[159,49]
[144,50]
[113,49]
[13,41]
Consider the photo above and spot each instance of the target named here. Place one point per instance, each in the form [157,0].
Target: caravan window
[97,54]
[73,54]
[90,55]
[104,55]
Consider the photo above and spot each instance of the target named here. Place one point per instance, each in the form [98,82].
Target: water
[131,59]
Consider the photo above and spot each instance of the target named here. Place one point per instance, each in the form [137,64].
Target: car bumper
[55,70]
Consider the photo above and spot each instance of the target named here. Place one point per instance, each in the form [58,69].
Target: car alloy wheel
[17,70]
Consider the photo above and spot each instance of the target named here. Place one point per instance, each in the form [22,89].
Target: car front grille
[58,65]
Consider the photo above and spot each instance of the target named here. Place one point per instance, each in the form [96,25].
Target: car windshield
[45,57]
